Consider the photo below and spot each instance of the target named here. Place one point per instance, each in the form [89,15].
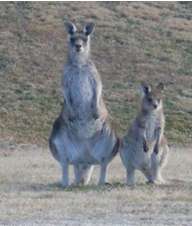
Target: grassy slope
[132,42]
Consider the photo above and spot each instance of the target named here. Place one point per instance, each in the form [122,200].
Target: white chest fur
[79,83]
[151,125]
[81,89]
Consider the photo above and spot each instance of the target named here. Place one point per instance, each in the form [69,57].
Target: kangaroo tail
[53,149]
[164,156]
[165,152]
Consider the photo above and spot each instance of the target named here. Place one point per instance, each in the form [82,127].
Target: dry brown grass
[133,41]
[140,11]
[31,195]
[179,24]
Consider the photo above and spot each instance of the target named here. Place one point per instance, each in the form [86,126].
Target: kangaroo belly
[72,151]
[89,151]
[133,155]
[81,155]
[141,159]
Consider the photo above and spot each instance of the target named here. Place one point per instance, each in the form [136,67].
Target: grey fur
[81,135]
[145,147]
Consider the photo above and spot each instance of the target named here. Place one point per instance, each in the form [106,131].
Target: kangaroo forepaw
[145,146]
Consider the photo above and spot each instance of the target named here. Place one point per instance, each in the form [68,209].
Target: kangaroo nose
[155,105]
[78,47]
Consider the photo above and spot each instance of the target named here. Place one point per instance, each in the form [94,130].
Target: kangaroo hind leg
[156,169]
[82,173]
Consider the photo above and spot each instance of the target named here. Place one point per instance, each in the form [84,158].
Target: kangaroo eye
[150,99]
[72,40]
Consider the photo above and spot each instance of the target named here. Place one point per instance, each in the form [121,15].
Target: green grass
[132,42]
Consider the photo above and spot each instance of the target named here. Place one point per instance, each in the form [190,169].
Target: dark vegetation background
[133,41]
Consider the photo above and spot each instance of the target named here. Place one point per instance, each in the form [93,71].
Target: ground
[132,42]
[30,193]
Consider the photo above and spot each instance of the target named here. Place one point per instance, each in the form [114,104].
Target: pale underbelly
[82,157]
[74,151]
[81,151]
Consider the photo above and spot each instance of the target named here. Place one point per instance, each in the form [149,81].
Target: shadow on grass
[172,185]
[40,187]
[73,188]
[108,187]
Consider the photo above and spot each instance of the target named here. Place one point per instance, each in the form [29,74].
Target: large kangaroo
[81,135]
[145,147]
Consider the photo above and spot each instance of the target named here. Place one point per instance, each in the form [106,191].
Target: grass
[132,42]
[31,194]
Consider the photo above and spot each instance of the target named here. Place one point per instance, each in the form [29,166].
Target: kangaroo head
[152,98]
[79,41]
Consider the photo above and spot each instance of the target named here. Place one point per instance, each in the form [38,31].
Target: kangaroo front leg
[97,90]
[145,145]
[157,137]
[65,175]
[103,174]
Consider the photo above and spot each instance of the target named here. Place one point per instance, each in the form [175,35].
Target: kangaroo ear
[160,86]
[145,88]
[70,27]
[89,28]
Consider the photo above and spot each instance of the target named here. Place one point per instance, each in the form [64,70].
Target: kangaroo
[81,135]
[145,147]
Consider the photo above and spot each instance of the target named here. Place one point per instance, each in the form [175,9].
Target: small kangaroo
[81,135]
[145,147]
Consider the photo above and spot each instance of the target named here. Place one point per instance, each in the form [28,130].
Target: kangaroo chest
[81,90]
[150,127]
